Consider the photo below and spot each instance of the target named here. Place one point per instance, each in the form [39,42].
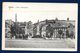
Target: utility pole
[16,25]
[38,28]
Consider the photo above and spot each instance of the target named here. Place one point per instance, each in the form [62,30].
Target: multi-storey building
[57,25]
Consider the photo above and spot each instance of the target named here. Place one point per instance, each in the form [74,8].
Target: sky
[39,11]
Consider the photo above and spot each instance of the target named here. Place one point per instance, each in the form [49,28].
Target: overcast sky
[39,11]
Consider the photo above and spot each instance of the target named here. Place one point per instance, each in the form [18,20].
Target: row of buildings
[46,28]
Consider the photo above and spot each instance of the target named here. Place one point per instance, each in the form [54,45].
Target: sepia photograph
[39,26]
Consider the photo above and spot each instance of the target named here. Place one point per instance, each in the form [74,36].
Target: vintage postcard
[39,26]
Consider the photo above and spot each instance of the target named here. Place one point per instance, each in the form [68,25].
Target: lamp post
[16,25]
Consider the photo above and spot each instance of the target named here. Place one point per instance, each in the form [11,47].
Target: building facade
[47,28]
[58,29]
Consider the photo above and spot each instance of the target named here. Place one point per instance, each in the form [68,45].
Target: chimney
[56,18]
[15,17]
[67,19]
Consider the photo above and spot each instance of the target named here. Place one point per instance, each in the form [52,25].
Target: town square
[42,34]
[39,26]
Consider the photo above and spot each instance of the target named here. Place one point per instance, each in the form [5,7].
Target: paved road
[38,43]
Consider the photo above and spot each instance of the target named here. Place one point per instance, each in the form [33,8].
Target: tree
[67,33]
[49,31]
[12,28]
[29,25]
[60,32]
[72,34]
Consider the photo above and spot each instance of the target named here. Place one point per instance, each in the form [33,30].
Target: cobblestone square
[39,43]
